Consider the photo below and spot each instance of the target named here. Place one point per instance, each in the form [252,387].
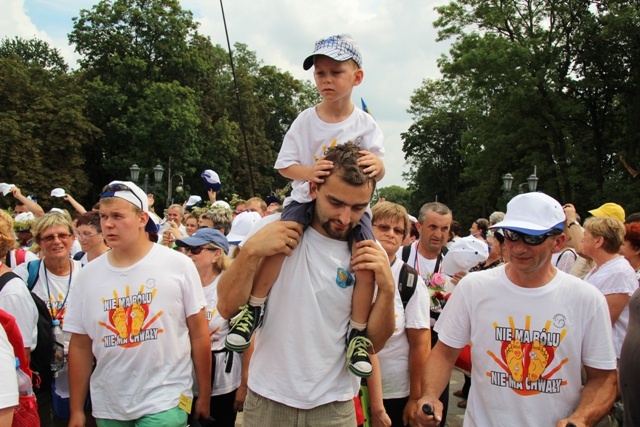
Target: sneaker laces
[243,321]
[358,347]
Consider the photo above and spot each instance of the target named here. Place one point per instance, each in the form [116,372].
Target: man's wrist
[572,223]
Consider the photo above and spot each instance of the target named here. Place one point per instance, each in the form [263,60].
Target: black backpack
[409,276]
[41,356]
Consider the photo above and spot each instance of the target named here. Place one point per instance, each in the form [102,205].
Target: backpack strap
[6,277]
[407,282]
[33,267]
[406,250]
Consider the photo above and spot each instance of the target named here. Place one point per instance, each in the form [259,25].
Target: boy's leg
[242,326]
[359,362]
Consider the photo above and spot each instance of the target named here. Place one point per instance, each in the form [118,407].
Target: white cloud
[397,40]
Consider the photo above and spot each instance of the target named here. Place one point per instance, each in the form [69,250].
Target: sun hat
[23,222]
[463,254]
[241,226]
[194,200]
[211,180]
[534,214]
[5,188]
[340,47]
[221,204]
[612,210]
[58,192]
[272,199]
[133,194]
[204,236]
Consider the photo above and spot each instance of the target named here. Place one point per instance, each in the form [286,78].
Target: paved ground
[455,416]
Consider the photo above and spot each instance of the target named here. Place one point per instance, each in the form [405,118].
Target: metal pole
[235,82]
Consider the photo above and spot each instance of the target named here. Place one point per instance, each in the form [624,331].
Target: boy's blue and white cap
[534,214]
[211,180]
[341,48]
[133,194]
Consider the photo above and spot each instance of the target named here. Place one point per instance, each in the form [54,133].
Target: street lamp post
[531,184]
[158,170]
[179,188]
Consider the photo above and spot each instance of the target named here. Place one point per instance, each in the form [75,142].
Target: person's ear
[359,75]
[313,189]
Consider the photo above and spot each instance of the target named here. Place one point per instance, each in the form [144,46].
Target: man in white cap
[531,327]
[138,310]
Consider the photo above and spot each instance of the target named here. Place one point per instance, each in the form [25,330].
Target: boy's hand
[320,170]
[372,163]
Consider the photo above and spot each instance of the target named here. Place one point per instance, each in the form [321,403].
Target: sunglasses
[49,239]
[385,228]
[514,236]
[197,249]
[110,190]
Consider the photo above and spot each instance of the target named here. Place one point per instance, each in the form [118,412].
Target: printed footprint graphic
[120,321]
[514,355]
[538,358]
[137,318]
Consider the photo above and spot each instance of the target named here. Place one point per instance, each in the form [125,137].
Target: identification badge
[185,403]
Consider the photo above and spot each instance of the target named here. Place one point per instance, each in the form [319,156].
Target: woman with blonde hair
[208,249]
[612,274]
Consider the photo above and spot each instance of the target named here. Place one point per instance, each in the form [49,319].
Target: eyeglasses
[62,236]
[514,236]
[110,189]
[197,249]
[82,236]
[385,228]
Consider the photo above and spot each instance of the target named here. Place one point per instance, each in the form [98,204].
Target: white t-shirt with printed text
[136,318]
[527,345]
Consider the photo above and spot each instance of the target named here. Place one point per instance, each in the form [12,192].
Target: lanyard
[56,316]
[416,263]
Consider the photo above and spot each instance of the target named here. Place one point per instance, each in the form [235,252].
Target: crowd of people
[318,310]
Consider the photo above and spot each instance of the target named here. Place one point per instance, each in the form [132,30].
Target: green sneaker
[358,355]
[241,328]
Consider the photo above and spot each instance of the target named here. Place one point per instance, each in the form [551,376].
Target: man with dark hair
[306,324]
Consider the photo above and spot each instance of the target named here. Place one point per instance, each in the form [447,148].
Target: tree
[42,130]
[34,52]
[543,84]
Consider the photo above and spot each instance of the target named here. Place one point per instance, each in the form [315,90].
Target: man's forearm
[598,394]
[437,371]
[381,319]
[236,282]
[80,364]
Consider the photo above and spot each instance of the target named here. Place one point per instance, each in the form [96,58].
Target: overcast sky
[396,39]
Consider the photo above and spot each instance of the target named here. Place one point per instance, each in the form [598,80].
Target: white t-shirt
[16,300]
[54,291]
[300,350]
[9,389]
[309,137]
[223,382]
[615,277]
[394,357]
[136,318]
[527,345]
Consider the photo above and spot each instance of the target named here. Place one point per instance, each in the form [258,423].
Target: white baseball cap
[58,192]
[133,194]
[534,214]
[241,226]
[464,253]
[193,200]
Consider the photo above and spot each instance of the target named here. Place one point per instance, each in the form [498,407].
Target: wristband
[573,223]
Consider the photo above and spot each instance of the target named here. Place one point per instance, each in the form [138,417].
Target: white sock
[357,326]
[256,302]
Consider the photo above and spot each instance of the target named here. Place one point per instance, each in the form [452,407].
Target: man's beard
[336,234]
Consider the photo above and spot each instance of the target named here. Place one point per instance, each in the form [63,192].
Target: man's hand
[457,277]
[320,170]
[408,414]
[241,395]
[421,419]
[373,164]
[202,408]
[380,419]
[570,213]
[279,237]
[370,256]
[77,419]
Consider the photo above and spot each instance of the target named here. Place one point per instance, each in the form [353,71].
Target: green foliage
[42,130]
[394,194]
[34,52]
[546,83]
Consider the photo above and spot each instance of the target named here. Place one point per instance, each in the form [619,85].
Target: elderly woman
[89,234]
[208,248]
[52,281]
[612,274]
[405,353]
